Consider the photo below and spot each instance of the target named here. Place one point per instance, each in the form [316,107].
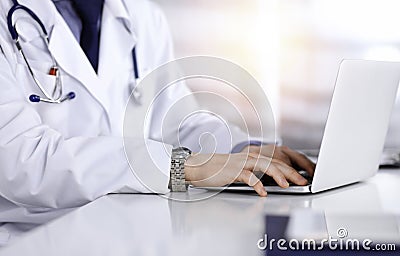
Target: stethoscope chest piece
[136,94]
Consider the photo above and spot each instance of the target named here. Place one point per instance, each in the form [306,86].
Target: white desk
[227,224]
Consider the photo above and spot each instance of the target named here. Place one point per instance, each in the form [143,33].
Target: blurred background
[293,48]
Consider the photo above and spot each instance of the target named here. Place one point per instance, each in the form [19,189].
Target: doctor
[62,106]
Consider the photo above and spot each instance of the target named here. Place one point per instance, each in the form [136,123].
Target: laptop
[355,131]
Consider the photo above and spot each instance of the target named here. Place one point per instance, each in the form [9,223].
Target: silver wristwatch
[177,181]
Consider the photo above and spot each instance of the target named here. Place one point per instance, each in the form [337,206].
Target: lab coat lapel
[71,58]
[117,39]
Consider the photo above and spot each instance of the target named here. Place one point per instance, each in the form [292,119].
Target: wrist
[251,149]
[252,145]
[190,169]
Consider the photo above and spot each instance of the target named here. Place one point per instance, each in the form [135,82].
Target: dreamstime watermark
[339,243]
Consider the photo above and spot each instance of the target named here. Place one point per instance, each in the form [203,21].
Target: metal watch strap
[177,171]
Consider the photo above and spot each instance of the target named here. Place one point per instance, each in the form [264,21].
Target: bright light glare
[361,20]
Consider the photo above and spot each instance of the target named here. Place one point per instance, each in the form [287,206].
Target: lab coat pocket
[41,74]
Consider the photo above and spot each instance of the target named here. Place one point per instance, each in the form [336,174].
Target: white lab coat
[66,155]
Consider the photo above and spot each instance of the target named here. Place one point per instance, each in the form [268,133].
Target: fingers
[277,169]
[265,165]
[289,173]
[300,160]
[250,179]
[277,175]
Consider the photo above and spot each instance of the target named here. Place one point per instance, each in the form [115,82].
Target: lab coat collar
[119,10]
[116,39]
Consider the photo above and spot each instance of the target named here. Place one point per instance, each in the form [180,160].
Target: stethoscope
[56,96]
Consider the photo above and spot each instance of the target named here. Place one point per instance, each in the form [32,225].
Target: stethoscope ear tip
[34,98]
[71,95]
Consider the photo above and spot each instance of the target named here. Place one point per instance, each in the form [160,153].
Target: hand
[215,170]
[285,155]
[223,169]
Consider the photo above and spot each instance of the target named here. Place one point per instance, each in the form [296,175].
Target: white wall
[293,48]
[244,32]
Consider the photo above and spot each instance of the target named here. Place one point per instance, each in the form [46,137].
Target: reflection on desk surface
[316,232]
[15,220]
[226,224]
